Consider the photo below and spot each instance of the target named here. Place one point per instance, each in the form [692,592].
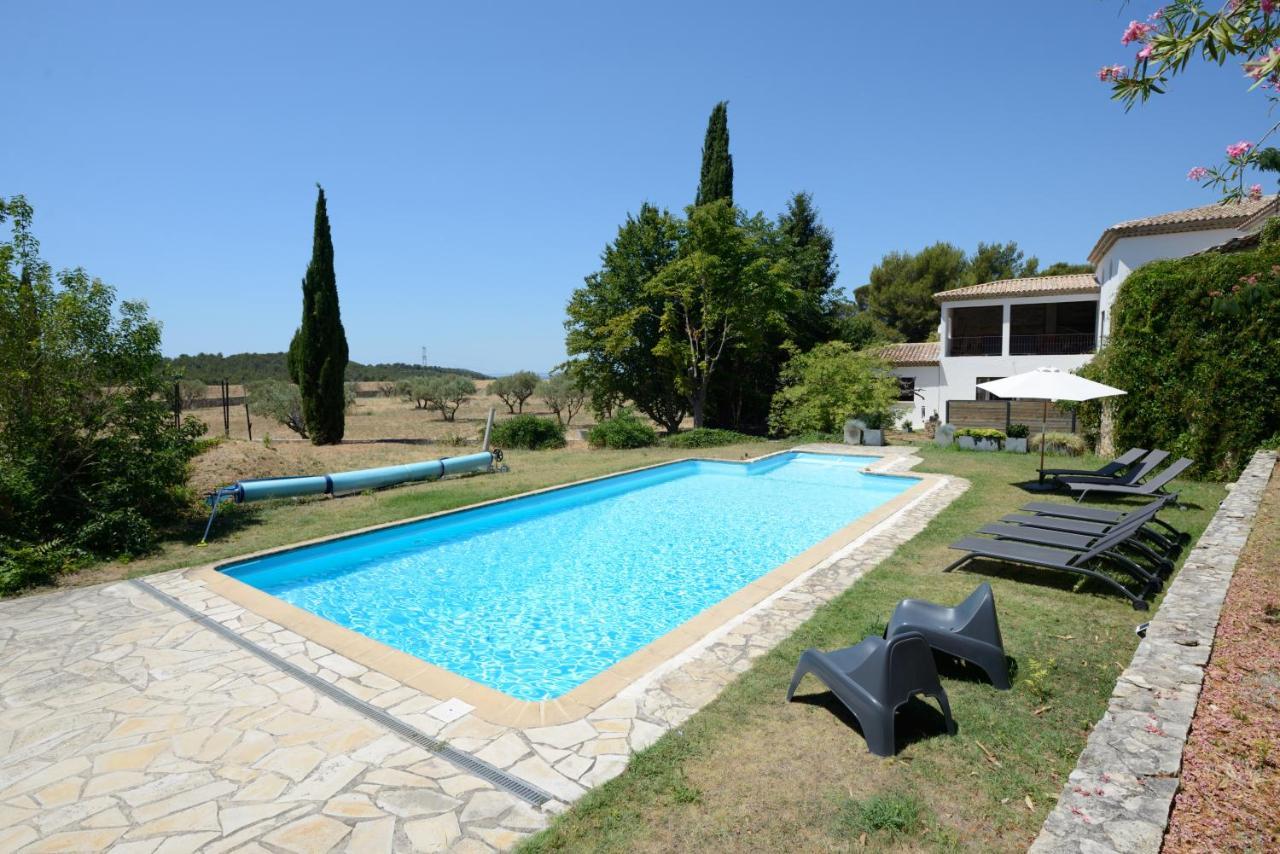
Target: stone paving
[124,725]
[1118,797]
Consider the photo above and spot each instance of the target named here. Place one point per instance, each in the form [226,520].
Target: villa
[998,329]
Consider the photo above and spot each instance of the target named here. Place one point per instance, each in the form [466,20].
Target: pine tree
[810,249]
[322,342]
[716,181]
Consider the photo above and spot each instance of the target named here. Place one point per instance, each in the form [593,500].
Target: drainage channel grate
[465,761]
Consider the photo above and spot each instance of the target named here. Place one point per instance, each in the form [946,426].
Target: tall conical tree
[716,181]
[322,343]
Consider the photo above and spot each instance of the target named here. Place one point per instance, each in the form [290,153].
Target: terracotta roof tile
[1234,215]
[1074,283]
[923,353]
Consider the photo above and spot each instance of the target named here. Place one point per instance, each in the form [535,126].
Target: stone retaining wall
[1118,797]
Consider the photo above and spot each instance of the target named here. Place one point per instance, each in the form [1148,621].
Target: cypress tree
[322,342]
[716,181]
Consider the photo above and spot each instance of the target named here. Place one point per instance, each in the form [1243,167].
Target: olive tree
[515,389]
[279,401]
[564,396]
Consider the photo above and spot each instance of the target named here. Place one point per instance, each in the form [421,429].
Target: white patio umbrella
[1048,384]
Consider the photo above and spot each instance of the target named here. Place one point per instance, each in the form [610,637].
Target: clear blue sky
[477,157]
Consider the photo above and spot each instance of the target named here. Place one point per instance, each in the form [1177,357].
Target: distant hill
[240,368]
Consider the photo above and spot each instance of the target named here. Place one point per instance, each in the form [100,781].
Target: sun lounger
[1133,475]
[1077,562]
[1083,542]
[1098,514]
[1112,468]
[969,631]
[874,678]
[1143,516]
[1155,486]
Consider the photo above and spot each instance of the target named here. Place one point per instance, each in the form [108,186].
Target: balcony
[975,345]
[1052,344]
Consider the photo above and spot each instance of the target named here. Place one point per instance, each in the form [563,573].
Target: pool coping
[502,709]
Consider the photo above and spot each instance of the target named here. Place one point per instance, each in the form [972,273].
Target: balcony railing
[1024,345]
[1052,344]
[975,345]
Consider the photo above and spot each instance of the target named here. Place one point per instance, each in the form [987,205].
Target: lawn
[752,772]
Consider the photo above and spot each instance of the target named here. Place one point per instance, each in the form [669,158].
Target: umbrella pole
[1044,428]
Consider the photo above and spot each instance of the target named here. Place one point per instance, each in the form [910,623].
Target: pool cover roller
[354,481]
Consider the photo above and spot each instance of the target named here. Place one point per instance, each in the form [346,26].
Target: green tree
[90,459]
[614,323]
[716,179]
[279,401]
[445,394]
[828,384]
[564,395]
[900,293]
[515,389]
[993,262]
[1063,268]
[323,342]
[809,248]
[722,292]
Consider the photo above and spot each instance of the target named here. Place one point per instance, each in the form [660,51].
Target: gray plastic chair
[874,678]
[969,631]
[1155,486]
[1111,469]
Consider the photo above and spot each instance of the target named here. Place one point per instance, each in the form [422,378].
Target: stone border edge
[1120,794]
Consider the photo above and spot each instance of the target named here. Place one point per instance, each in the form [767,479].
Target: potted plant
[979,439]
[873,433]
[1017,441]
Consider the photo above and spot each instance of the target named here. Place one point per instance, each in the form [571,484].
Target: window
[983,394]
[907,388]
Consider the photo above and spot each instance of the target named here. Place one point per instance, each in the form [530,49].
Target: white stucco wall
[928,390]
[1129,253]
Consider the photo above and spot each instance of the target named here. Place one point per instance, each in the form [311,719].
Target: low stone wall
[1118,797]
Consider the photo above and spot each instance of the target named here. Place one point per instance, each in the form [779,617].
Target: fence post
[177,404]
[226,410]
[948,412]
[1008,416]
[248,425]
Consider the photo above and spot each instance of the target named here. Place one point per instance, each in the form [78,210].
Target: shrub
[86,421]
[983,433]
[528,432]
[1202,372]
[623,430]
[828,384]
[877,420]
[707,437]
[1058,443]
[189,391]
[814,437]
[1019,431]
[25,566]
[443,393]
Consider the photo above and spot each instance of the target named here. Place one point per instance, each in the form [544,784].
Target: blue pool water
[537,595]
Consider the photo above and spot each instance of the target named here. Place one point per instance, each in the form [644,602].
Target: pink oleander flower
[1146,52]
[1255,192]
[1156,15]
[1197,173]
[1111,72]
[1136,31]
[1240,149]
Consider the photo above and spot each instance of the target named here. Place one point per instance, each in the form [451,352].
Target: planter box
[987,444]
[872,437]
[965,443]
[1016,446]
[969,443]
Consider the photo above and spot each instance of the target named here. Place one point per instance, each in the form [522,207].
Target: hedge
[1202,373]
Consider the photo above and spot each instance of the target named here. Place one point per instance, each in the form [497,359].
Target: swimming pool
[536,595]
